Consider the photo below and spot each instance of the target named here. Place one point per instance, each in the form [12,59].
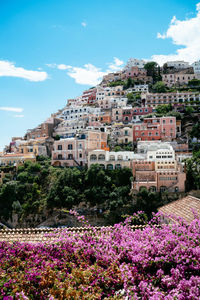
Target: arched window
[93,157]
[101,157]
[118,166]
[102,166]
[119,157]
[163,188]
[110,167]
[142,188]
[152,189]
[112,157]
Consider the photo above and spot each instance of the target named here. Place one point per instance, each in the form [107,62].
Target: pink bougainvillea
[153,263]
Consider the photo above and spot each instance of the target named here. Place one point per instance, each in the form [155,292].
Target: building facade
[196,67]
[178,79]
[175,99]
[159,171]
[163,128]
[111,160]
[72,152]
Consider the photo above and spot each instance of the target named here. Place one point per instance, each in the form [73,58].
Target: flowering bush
[153,263]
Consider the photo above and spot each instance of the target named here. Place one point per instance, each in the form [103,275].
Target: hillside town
[131,119]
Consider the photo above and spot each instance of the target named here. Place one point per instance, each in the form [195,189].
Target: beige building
[178,79]
[125,135]
[15,159]
[37,147]
[159,171]
[186,98]
[117,114]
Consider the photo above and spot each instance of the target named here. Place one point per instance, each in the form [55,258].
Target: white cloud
[89,74]
[51,65]
[18,116]
[184,33]
[84,24]
[63,67]
[116,66]
[13,109]
[10,70]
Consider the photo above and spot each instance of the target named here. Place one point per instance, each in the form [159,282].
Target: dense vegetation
[38,187]
[154,263]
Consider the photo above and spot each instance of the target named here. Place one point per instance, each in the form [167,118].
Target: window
[110,167]
[59,156]
[112,157]
[70,156]
[93,157]
[80,155]
[70,147]
[101,157]
[59,147]
[171,121]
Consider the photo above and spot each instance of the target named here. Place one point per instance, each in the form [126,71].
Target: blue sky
[50,49]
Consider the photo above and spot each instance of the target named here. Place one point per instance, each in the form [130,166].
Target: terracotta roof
[183,208]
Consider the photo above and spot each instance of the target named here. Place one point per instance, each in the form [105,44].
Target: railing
[37,235]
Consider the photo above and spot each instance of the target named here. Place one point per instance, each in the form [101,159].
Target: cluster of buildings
[90,126]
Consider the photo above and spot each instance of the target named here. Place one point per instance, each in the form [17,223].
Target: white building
[144,146]
[196,66]
[144,88]
[69,128]
[77,112]
[112,160]
[118,101]
[105,92]
[134,62]
[178,64]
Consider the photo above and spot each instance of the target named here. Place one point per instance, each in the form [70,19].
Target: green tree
[195,132]
[194,83]
[159,87]
[165,68]
[153,70]
[7,197]
[193,172]
[164,109]
[147,201]
[57,137]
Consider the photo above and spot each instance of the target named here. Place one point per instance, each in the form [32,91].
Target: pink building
[135,71]
[72,152]
[127,114]
[163,128]
[141,111]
